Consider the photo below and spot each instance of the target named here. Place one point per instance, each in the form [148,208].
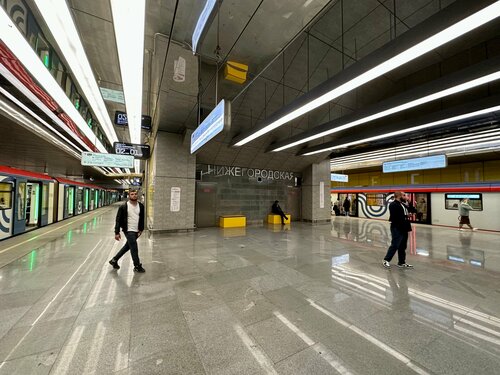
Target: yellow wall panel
[492,170]
[451,174]
[400,178]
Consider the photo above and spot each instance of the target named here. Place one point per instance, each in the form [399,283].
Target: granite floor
[299,299]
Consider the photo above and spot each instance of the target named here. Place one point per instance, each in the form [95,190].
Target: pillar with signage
[171,185]
[316,193]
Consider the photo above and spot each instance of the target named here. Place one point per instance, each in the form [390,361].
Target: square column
[316,193]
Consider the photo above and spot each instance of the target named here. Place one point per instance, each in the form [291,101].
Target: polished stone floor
[301,299]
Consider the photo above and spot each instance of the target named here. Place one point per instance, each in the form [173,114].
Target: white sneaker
[474,229]
[461,229]
[386,264]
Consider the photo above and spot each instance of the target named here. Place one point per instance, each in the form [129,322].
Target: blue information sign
[428,162]
[216,121]
[339,177]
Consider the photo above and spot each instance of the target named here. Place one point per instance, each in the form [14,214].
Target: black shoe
[139,269]
[114,263]
[405,265]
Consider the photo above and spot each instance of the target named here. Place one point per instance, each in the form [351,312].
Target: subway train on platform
[435,204]
[30,200]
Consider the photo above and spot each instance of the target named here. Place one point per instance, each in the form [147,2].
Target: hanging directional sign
[137,151]
[218,120]
[107,160]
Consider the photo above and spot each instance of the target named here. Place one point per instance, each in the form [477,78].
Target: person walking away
[400,226]
[276,209]
[130,218]
[347,206]
[463,210]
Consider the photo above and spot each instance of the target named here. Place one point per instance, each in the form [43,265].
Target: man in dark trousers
[130,218]
[276,209]
[400,226]
[347,206]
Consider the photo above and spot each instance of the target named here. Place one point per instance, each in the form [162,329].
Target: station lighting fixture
[407,130]
[16,42]
[450,33]
[128,21]
[60,22]
[411,104]
[488,140]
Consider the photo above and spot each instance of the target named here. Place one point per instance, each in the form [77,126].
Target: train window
[375,199]
[5,196]
[452,201]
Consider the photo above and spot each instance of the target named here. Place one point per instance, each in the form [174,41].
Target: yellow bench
[232,221]
[276,219]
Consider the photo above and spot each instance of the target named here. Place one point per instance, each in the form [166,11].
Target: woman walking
[464,210]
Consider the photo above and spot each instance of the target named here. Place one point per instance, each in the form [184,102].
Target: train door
[20,206]
[353,204]
[422,202]
[69,201]
[96,199]
[92,199]
[79,200]
[52,203]
[6,208]
[32,205]
[44,204]
[86,200]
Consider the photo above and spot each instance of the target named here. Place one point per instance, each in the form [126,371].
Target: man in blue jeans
[400,226]
[130,218]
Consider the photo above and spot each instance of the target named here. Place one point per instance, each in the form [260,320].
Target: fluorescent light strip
[414,103]
[407,130]
[15,41]
[460,28]
[26,92]
[424,146]
[38,118]
[493,145]
[128,21]
[60,22]
[36,128]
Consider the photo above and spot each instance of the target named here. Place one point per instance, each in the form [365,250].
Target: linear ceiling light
[128,21]
[207,11]
[411,104]
[15,41]
[458,29]
[408,130]
[60,22]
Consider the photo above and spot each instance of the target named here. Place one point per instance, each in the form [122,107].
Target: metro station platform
[302,299]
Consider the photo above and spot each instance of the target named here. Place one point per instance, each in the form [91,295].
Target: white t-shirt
[133,212]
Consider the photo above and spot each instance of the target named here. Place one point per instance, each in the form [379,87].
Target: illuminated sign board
[337,177]
[137,151]
[112,95]
[95,159]
[202,22]
[463,196]
[416,164]
[122,120]
[218,120]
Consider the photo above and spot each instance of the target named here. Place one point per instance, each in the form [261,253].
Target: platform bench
[232,221]
[276,219]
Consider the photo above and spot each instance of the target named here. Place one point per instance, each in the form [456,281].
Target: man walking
[130,218]
[400,226]
[347,206]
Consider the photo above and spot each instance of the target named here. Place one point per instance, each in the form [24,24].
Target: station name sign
[428,162]
[267,174]
[337,177]
[137,151]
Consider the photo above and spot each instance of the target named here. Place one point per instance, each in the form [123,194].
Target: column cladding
[312,177]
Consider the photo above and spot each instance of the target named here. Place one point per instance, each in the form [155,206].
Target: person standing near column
[463,211]
[400,226]
[130,218]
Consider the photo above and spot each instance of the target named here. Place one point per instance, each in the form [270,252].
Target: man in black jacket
[276,209]
[130,218]
[400,226]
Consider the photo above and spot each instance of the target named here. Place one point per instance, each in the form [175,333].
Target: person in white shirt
[130,218]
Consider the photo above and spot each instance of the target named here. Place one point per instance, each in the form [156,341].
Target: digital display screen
[215,123]
[428,162]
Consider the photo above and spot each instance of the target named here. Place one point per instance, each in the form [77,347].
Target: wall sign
[175,199]
[337,177]
[321,194]
[137,151]
[107,160]
[428,162]
[112,95]
[220,170]
[217,121]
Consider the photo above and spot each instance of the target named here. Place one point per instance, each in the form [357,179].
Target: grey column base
[160,231]
[323,221]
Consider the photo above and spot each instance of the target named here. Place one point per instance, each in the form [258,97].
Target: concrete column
[171,166]
[316,193]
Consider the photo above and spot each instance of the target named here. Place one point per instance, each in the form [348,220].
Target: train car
[26,201]
[435,204]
